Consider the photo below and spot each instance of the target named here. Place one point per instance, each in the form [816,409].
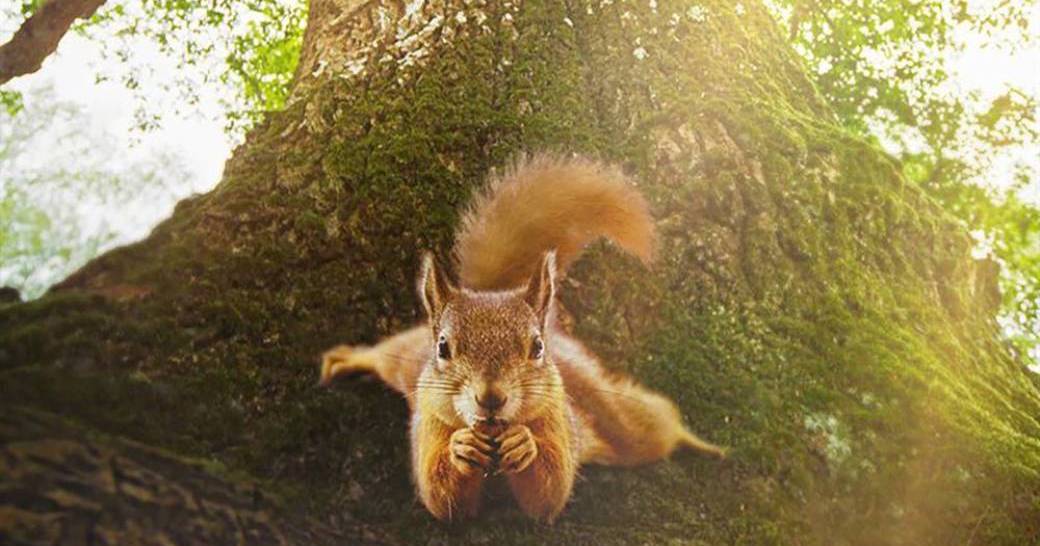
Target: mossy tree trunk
[809,307]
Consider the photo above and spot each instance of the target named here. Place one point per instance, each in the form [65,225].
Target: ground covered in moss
[808,308]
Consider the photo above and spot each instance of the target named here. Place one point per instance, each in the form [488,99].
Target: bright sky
[197,136]
[990,71]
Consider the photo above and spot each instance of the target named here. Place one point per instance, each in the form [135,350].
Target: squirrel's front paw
[346,360]
[334,360]
[517,449]
[469,453]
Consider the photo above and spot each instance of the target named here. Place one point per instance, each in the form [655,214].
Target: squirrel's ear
[541,287]
[435,289]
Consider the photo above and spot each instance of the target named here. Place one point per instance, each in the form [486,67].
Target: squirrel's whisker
[448,383]
[438,387]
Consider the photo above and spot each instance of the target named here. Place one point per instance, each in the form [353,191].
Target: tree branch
[39,35]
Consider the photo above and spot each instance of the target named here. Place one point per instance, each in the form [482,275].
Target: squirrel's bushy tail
[544,203]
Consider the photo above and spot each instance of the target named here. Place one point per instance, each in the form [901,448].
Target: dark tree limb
[63,484]
[39,35]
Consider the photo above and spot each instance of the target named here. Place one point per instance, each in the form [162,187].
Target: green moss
[809,308]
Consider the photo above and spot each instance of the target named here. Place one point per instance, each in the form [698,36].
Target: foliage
[265,56]
[249,47]
[50,222]
[11,101]
[886,69]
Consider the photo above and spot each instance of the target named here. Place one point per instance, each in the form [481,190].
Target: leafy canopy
[249,47]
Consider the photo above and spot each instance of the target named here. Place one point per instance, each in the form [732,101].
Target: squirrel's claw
[517,449]
[469,453]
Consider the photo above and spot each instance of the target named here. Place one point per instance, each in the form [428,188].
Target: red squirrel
[495,386]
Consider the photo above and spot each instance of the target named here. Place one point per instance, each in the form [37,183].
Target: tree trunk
[809,308]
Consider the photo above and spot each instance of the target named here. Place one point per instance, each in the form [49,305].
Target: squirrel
[494,384]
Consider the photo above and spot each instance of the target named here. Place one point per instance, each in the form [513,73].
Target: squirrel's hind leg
[633,425]
[691,441]
[657,426]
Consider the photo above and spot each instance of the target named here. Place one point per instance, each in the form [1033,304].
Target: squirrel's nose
[491,399]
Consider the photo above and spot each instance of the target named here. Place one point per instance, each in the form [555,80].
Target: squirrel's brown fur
[548,204]
[495,386]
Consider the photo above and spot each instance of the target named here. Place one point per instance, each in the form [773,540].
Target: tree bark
[809,308]
[39,35]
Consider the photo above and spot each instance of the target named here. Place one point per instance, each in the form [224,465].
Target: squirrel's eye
[443,351]
[537,349]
